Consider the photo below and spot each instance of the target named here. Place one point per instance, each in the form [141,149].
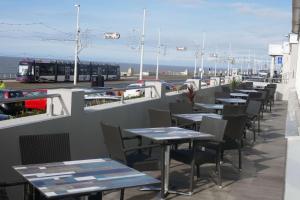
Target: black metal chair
[226,89]
[36,149]
[253,116]
[222,95]
[159,118]
[131,156]
[180,107]
[232,110]
[212,126]
[233,136]
[45,148]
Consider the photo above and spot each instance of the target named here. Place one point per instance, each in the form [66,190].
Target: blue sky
[35,28]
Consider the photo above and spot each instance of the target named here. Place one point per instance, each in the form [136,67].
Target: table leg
[165,168]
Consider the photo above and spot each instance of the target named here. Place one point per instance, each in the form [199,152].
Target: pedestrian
[2,85]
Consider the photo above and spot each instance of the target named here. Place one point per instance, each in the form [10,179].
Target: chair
[132,157]
[232,110]
[159,118]
[129,156]
[255,96]
[225,89]
[36,149]
[180,107]
[212,126]
[253,115]
[233,134]
[222,95]
[46,148]
[248,85]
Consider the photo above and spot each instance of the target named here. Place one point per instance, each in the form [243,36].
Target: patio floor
[262,176]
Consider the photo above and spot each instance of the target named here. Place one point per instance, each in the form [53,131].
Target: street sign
[279,60]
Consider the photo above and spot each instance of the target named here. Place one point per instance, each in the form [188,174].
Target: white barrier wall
[83,125]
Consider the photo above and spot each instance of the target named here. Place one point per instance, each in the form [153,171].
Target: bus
[63,71]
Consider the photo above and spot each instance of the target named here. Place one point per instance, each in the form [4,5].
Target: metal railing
[46,96]
[8,76]
[120,97]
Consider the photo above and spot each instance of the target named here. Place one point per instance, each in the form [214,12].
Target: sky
[46,29]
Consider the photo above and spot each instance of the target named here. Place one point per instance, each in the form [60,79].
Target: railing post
[51,107]
[122,99]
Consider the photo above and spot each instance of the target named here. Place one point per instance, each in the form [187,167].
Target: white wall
[83,125]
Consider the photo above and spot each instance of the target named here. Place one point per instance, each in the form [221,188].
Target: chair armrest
[132,138]
[141,147]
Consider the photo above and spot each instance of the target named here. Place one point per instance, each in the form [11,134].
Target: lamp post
[142,46]
[158,53]
[76,44]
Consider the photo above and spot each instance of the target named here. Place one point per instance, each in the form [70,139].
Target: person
[2,85]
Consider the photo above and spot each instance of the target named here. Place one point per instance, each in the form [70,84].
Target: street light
[76,44]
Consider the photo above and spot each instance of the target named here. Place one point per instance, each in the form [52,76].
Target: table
[248,91]
[82,177]
[232,100]
[216,107]
[167,136]
[240,95]
[197,117]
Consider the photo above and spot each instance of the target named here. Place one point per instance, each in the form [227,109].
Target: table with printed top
[232,100]
[167,136]
[239,95]
[83,177]
[210,106]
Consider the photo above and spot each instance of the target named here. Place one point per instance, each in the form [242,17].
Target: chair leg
[192,169]
[122,194]
[240,158]
[198,170]
[218,165]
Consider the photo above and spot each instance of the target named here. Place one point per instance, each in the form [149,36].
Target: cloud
[259,11]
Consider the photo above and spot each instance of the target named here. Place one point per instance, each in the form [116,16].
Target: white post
[228,62]
[77,45]
[157,56]
[249,59]
[202,55]
[272,67]
[142,46]
[195,68]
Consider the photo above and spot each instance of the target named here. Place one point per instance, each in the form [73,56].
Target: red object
[37,104]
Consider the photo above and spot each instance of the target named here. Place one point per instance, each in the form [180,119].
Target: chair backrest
[248,85]
[235,126]
[225,89]
[232,110]
[254,95]
[113,141]
[46,148]
[180,107]
[272,85]
[159,118]
[253,108]
[213,126]
[222,95]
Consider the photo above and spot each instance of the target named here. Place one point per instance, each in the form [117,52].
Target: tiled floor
[262,176]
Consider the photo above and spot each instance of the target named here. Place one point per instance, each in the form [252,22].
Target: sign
[279,60]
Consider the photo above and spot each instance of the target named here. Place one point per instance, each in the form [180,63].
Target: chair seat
[142,161]
[201,157]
